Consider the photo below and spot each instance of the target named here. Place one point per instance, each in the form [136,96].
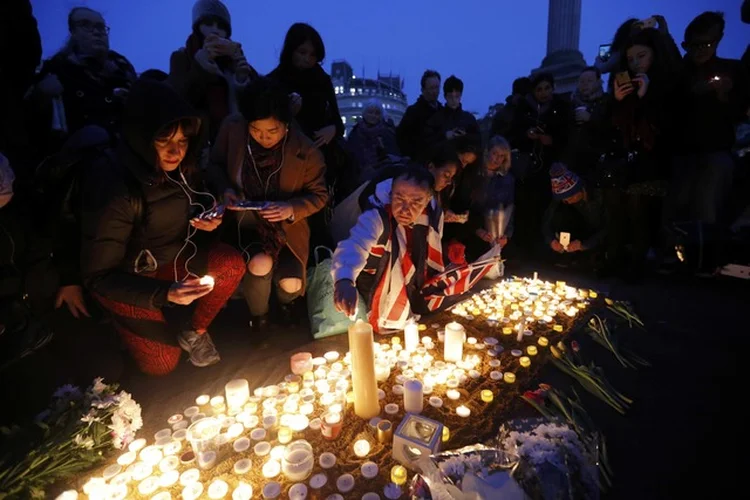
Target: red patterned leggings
[138,327]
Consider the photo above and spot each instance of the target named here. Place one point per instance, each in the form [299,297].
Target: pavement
[681,438]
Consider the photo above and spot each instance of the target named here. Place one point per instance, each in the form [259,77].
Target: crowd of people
[131,194]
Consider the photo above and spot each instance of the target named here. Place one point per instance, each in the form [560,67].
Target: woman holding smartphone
[264,158]
[146,234]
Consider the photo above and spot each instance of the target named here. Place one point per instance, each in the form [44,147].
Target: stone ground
[682,436]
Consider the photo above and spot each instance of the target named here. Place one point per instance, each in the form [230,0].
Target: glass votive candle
[362,448]
[532,350]
[398,475]
[463,411]
[284,435]
[298,460]
[301,362]
[272,468]
[509,377]
[524,361]
[487,396]
[237,393]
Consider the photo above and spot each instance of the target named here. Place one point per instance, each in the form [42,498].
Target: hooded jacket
[115,236]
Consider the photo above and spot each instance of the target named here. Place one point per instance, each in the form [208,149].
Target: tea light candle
[241,445]
[318,481]
[398,474]
[217,402]
[151,455]
[307,408]
[525,361]
[463,411]
[361,448]
[446,434]
[127,458]
[218,489]
[507,330]
[271,469]
[277,452]
[327,460]
[169,463]
[207,280]
[68,495]
[331,356]
[190,476]
[243,491]
[345,483]
[298,492]
[453,394]
[487,396]
[319,361]
[169,478]
[258,434]
[271,490]
[182,424]
[269,421]
[148,485]
[454,342]
[192,491]
[235,430]
[391,409]
[496,375]
[381,394]
[136,445]
[436,402]
[558,328]
[369,470]
[262,449]
[543,341]
[187,458]
[509,377]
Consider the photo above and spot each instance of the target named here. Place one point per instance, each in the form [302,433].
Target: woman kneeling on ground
[146,241]
[268,160]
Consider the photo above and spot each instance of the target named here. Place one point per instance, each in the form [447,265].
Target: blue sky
[487,43]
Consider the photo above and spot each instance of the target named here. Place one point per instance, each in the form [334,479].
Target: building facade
[353,93]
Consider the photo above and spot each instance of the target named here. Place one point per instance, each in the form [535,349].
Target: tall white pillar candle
[454,342]
[413,398]
[365,386]
[411,337]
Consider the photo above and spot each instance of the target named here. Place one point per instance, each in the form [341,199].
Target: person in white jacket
[391,252]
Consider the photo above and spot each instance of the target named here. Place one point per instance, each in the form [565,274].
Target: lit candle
[318,481]
[242,492]
[146,487]
[127,458]
[369,470]
[136,445]
[509,377]
[454,342]
[192,491]
[532,350]
[284,435]
[496,375]
[525,361]
[345,483]
[242,444]
[507,330]
[398,475]
[237,392]
[272,468]
[68,495]
[361,448]
[413,398]
[463,411]
[391,409]
[398,389]
[330,425]
[271,490]
[218,489]
[558,328]
[487,396]
[207,280]
[190,476]
[453,394]
[436,401]
[411,337]
[327,460]
[543,341]
[169,478]
[446,434]
[365,386]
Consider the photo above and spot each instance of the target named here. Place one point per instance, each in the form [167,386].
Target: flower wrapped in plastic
[553,461]
[474,472]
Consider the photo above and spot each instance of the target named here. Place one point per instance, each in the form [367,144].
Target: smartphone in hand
[565,240]
[622,78]
[605,51]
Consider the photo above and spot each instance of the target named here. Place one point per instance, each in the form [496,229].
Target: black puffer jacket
[553,119]
[113,235]
[410,131]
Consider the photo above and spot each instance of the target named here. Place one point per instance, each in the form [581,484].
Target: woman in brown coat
[266,159]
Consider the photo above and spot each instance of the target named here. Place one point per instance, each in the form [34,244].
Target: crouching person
[146,241]
[575,220]
[391,252]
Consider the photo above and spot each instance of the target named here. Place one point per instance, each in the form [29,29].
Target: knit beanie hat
[564,182]
[203,9]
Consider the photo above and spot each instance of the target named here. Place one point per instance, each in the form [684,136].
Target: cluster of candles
[241,418]
[514,304]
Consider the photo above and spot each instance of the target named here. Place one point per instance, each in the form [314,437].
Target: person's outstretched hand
[72,296]
[185,292]
[345,297]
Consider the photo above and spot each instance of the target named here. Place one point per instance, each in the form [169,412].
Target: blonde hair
[501,142]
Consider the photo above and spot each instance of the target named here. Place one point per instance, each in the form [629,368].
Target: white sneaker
[200,347]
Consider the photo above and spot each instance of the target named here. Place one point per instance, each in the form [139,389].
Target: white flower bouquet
[554,463]
[70,436]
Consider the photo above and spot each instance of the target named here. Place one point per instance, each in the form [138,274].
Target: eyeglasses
[93,27]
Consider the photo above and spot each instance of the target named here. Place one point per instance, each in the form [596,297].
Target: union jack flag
[457,281]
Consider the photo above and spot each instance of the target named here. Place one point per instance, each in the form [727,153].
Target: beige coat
[301,180]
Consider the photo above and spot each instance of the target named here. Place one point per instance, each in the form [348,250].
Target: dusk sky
[485,43]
